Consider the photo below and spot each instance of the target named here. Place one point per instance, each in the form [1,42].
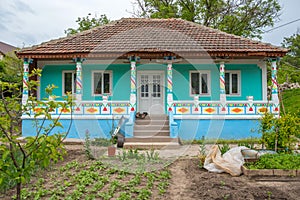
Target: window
[232,83]
[69,82]
[101,82]
[200,83]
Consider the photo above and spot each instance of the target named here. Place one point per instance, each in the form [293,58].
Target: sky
[31,22]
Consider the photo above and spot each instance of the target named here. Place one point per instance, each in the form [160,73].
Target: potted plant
[111,150]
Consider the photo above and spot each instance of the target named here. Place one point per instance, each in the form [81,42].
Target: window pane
[204,88]
[97,83]
[195,83]
[68,82]
[234,81]
[227,83]
[106,83]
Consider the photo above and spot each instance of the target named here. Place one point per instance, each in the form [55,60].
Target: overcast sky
[30,22]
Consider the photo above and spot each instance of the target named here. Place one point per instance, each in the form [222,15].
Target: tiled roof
[5,48]
[141,35]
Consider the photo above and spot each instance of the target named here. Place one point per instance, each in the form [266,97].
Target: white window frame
[73,82]
[110,82]
[238,72]
[200,88]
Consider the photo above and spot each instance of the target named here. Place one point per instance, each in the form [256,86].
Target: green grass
[291,101]
[223,141]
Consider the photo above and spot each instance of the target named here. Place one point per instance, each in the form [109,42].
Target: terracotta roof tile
[151,35]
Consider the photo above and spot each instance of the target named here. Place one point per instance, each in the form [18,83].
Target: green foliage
[86,23]
[291,101]
[19,161]
[276,161]
[290,64]
[95,180]
[243,18]
[224,148]
[279,133]
[11,69]
[202,154]
[87,146]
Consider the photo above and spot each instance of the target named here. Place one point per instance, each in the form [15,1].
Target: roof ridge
[232,35]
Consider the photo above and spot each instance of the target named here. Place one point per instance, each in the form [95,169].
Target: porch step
[151,122]
[151,145]
[151,133]
[152,127]
[151,139]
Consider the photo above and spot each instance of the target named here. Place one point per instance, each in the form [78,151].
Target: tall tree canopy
[86,23]
[245,18]
[289,70]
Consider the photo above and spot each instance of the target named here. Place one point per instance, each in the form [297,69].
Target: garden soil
[190,182]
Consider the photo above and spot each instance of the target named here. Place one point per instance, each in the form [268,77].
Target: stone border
[269,172]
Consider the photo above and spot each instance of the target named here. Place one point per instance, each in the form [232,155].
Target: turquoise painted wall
[52,74]
[121,81]
[181,84]
[251,81]
[250,77]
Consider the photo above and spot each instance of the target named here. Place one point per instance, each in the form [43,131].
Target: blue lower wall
[218,128]
[97,128]
[188,129]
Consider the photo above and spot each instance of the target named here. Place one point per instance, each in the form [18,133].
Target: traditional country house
[201,81]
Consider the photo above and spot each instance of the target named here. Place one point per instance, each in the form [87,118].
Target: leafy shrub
[279,133]
[276,161]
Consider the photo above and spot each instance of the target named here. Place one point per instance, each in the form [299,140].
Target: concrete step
[151,145]
[151,122]
[149,133]
[152,127]
[140,139]
[155,117]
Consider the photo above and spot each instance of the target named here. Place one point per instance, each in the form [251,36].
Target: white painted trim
[75,117]
[264,81]
[102,85]
[73,82]
[229,102]
[238,72]
[200,72]
[212,117]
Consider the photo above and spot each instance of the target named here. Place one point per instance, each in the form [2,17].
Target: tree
[290,64]
[245,18]
[86,23]
[19,160]
[11,68]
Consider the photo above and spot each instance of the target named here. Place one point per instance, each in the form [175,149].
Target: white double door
[150,92]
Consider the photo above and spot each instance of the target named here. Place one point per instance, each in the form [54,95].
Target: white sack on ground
[231,161]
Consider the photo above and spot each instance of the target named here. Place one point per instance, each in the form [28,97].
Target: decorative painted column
[25,81]
[133,83]
[275,98]
[79,79]
[170,86]
[222,88]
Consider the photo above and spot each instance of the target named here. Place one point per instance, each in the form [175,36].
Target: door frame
[162,73]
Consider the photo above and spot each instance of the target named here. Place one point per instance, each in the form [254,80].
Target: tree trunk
[19,191]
